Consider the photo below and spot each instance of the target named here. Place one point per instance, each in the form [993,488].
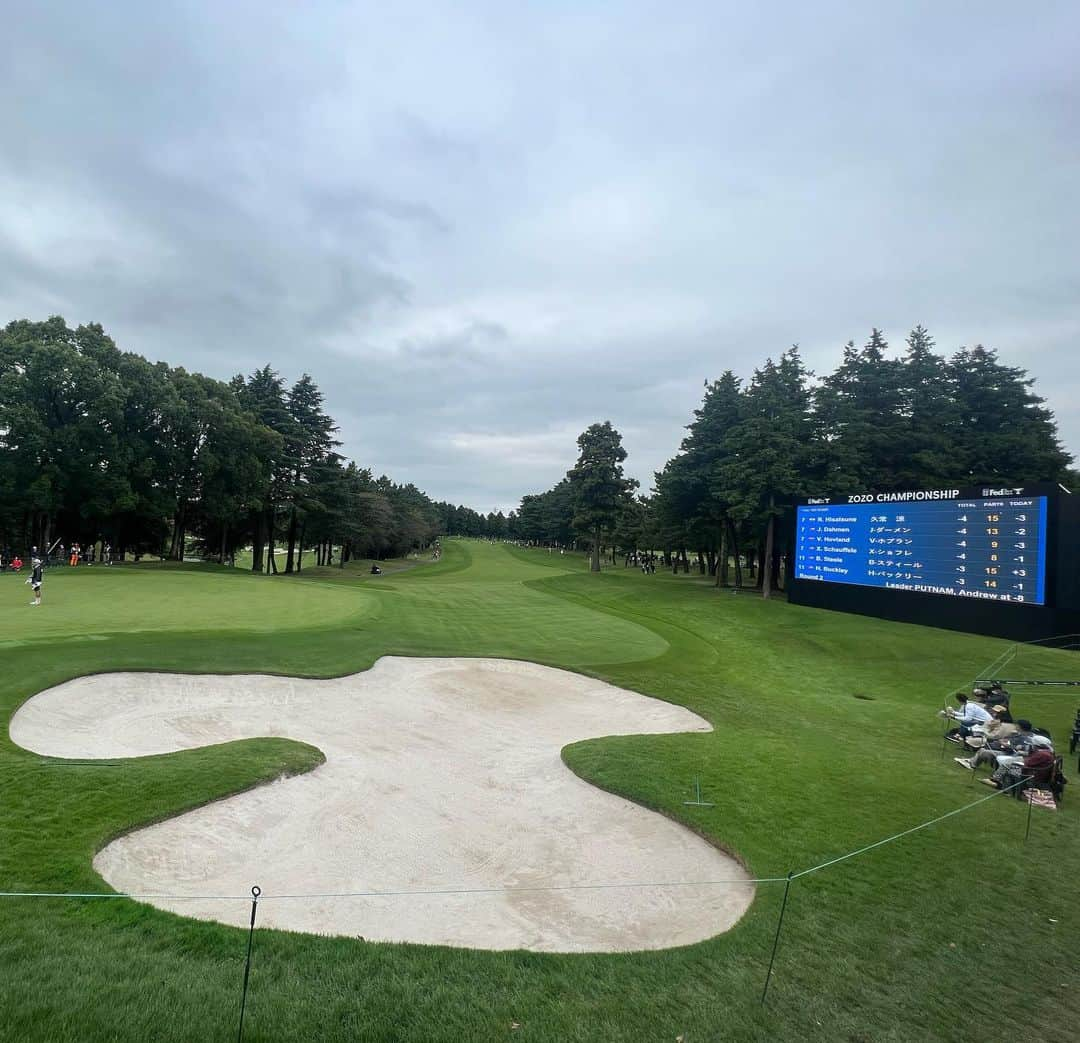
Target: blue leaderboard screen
[993,549]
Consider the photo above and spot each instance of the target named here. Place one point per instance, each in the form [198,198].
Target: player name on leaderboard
[992,549]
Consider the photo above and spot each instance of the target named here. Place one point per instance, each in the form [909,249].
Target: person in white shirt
[967,715]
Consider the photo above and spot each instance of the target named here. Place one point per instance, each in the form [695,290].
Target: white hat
[1041,740]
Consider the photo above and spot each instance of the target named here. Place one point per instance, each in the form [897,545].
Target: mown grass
[356,567]
[915,940]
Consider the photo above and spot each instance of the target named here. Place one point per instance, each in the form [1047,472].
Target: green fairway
[825,741]
[94,602]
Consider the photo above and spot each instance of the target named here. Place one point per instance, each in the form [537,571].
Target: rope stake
[255,892]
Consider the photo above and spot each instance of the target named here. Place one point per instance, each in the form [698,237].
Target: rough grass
[916,940]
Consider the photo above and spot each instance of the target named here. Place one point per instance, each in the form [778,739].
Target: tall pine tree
[600,488]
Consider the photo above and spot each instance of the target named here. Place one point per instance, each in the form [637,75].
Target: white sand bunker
[439,774]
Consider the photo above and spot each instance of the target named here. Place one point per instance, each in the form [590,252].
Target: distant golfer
[35,580]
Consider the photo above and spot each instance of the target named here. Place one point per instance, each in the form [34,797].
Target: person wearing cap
[35,580]
[992,694]
[1011,749]
[1037,767]
[1001,727]
[968,714]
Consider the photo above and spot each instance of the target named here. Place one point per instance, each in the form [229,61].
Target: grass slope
[915,940]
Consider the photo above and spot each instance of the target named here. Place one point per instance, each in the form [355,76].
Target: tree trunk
[176,547]
[271,564]
[258,542]
[767,557]
[734,553]
[224,540]
[595,563]
[300,557]
[290,557]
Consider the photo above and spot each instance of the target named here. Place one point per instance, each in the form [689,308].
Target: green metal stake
[698,802]
[776,940]
[255,892]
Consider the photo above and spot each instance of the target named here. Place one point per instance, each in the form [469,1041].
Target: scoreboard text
[992,548]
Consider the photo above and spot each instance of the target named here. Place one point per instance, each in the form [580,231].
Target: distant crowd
[1020,755]
[644,560]
[59,554]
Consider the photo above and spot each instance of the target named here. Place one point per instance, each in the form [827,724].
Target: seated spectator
[1037,768]
[968,714]
[1001,727]
[992,694]
[1003,750]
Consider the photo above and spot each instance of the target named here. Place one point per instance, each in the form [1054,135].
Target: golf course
[824,741]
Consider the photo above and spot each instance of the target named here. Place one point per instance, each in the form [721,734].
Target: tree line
[882,421]
[99,444]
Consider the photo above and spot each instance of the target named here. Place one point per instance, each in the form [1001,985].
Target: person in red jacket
[1037,768]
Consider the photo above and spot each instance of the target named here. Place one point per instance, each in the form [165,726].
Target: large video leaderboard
[993,549]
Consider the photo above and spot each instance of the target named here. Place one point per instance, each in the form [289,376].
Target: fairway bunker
[440,775]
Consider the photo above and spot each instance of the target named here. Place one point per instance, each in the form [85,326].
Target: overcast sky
[483,226]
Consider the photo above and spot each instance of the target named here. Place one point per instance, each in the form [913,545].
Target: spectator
[992,694]
[1001,727]
[967,715]
[1001,752]
[1037,768]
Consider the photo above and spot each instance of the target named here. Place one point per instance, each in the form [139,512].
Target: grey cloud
[482,229]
